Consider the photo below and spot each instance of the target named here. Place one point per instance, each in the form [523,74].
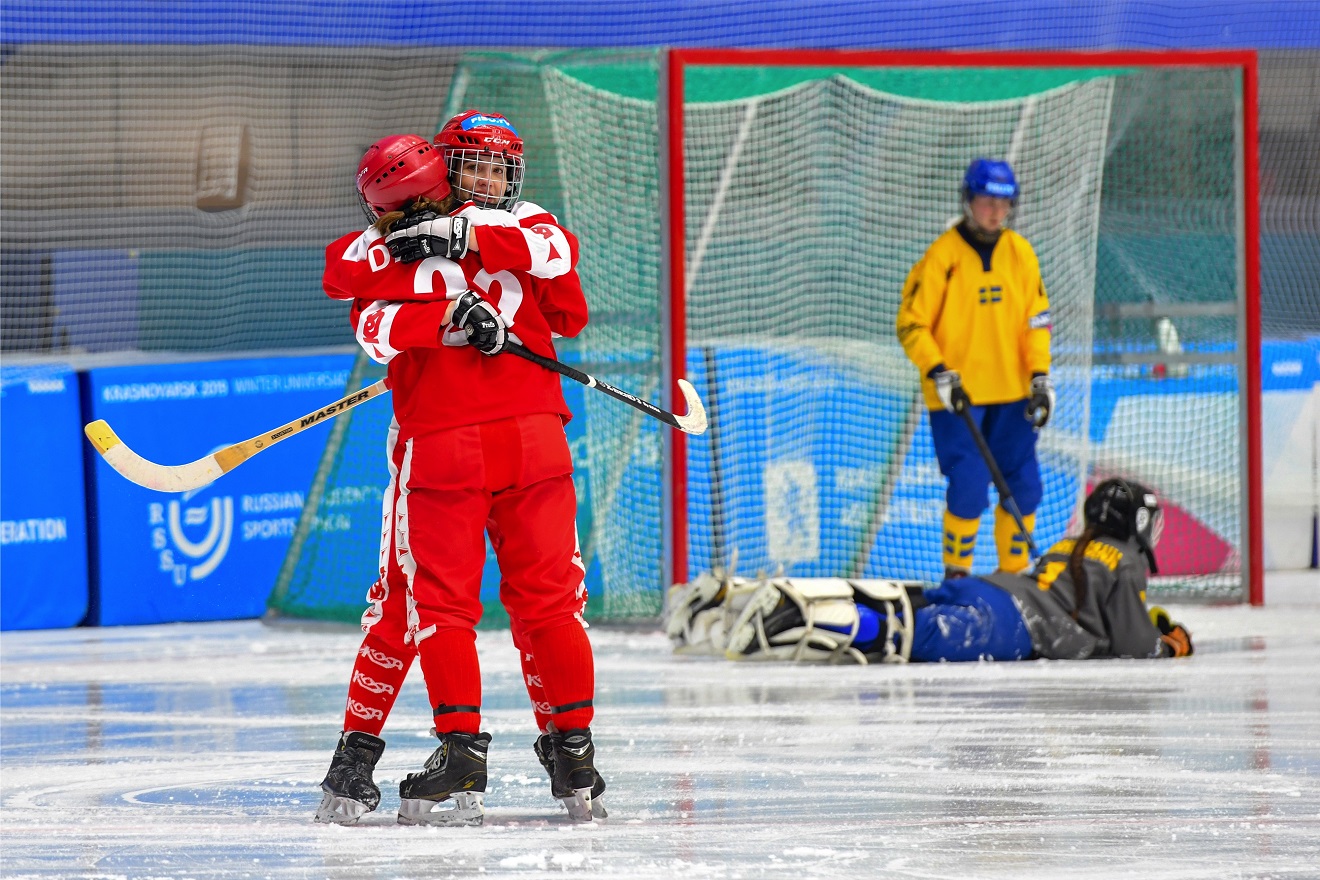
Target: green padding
[626,80]
[727,83]
[704,84]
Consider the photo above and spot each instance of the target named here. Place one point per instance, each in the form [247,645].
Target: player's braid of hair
[1077,569]
[385,223]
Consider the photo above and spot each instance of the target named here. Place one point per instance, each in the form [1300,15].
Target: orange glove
[1177,641]
[1175,637]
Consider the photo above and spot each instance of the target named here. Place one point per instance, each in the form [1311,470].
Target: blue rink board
[43,527]
[819,449]
[214,553]
[826,481]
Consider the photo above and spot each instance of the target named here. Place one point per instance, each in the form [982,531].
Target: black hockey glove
[948,385]
[427,234]
[1041,405]
[485,329]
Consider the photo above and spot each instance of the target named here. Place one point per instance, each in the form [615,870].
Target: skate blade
[582,807]
[469,809]
[340,810]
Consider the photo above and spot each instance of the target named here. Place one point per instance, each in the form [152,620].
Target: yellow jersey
[980,311]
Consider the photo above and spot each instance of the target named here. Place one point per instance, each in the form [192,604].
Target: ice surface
[196,751]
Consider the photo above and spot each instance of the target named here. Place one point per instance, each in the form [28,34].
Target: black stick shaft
[1006,499]
[592,382]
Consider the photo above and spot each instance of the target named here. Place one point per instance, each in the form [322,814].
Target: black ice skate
[567,757]
[349,790]
[455,771]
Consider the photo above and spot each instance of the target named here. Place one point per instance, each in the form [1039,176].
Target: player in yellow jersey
[975,319]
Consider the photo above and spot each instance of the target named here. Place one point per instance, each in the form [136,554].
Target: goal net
[806,189]
[810,188]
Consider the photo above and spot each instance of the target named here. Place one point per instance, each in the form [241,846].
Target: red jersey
[523,265]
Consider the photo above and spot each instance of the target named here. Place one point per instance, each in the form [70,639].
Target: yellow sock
[1010,542]
[959,541]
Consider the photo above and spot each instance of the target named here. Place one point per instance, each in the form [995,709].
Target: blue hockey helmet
[989,177]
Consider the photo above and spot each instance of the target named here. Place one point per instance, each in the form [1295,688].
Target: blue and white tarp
[43,530]
[213,553]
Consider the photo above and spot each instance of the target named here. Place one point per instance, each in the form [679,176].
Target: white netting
[805,210]
[592,160]
[612,193]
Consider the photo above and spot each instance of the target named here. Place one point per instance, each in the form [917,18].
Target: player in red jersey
[453,267]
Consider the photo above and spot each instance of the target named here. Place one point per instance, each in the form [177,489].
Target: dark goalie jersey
[1113,622]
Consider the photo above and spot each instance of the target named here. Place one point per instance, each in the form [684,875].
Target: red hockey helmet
[398,169]
[490,140]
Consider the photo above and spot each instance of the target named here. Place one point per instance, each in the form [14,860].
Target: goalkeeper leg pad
[698,615]
[797,619]
[897,601]
[686,623]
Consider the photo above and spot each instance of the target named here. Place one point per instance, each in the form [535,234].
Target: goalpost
[801,186]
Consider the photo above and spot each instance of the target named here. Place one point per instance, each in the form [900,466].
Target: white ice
[196,751]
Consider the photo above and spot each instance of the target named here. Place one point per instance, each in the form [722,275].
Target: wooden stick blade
[195,475]
[149,475]
[695,420]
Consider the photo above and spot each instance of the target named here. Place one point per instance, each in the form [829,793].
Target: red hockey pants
[513,478]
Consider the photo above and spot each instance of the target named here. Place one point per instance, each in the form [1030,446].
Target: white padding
[699,615]
[881,590]
[892,598]
[815,589]
[819,602]
[723,615]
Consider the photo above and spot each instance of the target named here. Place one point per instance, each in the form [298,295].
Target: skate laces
[439,758]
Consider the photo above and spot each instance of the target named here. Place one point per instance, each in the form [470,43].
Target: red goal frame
[675,342]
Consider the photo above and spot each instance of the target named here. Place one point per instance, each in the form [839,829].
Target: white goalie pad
[698,614]
[799,619]
[817,620]
[890,598]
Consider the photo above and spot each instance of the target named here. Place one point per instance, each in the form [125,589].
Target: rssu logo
[191,537]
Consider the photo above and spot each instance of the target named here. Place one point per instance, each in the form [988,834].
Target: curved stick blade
[136,469]
[695,420]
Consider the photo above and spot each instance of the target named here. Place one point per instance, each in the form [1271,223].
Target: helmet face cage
[1126,511]
[489,140]
[485,161]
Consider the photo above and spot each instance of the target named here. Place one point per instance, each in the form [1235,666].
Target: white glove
[948,385]
[1041,405]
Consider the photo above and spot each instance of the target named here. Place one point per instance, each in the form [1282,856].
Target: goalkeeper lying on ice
[1085,598]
